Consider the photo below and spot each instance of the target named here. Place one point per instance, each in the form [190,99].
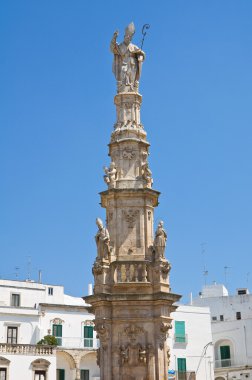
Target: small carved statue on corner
[147,175]
[102,240]
[142,355]
[124,352]
[110,175]
[160,240]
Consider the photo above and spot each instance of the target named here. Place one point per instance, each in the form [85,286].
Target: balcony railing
[26,349]
[223,363]
[186,375]
[181,338]
[72,342]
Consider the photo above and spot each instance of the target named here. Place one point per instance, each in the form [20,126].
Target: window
[50,291]
[40,375]
[88,336]
[180,336]
[238,315]
[60,374]
[221,317]
[57,332]
[12,335]
[15,300]
[214,318]
[181,369]
[3,373]
[84,374]
[225,356]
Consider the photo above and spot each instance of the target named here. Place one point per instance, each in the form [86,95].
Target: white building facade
[191,344]
[231,318]
[28,312]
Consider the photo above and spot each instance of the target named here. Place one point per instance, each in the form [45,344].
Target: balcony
[180,339]
[86,343]
[224,363]
[186,376]
[26,349]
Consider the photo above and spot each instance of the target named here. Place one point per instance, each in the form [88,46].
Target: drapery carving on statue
[147,175]
[160,241]
[132,331]
[102,240]
[163,333]
[128,59]
[130,217]
[110,176]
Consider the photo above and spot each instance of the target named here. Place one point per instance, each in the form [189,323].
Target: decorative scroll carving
[165,268]
[57,321]
[132,331]
[130,216]
[97,268]
[128,153]
[102,332]
[163,333]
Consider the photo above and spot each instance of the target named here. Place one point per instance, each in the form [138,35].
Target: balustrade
[131,272]
[26,349]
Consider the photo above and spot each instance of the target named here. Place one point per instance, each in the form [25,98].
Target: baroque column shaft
[132,300]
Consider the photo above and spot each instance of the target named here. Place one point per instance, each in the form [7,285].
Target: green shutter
[88,331]
[88,336]
[181,365]
[180,336]
[225,352]
[57,330]
[60,374]
[85,373]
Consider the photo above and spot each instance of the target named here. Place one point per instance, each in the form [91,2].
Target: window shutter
[181,365]
[225,352]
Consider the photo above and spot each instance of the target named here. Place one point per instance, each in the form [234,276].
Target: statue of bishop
[128,59]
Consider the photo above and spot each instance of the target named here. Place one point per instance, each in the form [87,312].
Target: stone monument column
[132,300]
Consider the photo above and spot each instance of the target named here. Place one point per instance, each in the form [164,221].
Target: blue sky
[57,113]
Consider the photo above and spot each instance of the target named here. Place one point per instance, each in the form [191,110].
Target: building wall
[198,349]
[229,331]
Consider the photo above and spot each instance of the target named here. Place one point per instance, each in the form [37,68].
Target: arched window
[40,368]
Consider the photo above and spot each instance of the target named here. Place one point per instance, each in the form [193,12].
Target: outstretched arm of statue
[113,43]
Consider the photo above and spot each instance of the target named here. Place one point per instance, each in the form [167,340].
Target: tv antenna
[29,268]
[205,271]
[226,268]
[17,272]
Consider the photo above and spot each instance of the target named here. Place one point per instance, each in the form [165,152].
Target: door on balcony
[12,335]
[3,373]
[225,356]
[181,369]
[57,332]
[84,374]
[40,375]
[88,336]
